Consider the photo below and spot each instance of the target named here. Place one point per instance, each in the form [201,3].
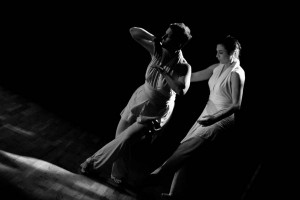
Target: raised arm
[143,37]
[204,74]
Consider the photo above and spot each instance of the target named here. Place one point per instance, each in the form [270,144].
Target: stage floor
[40,154]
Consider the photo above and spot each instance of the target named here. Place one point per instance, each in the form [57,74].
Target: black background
[80,62]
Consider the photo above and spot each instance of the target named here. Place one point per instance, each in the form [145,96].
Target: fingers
[200,122]
[203,122]
[160,69]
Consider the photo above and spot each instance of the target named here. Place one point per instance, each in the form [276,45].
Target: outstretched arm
[143,37]
[204,74]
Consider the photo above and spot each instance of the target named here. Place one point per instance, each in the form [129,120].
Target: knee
[127,137]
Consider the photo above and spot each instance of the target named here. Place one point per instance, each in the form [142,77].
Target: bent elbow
[133,31]
[179,92]
[236,107]
[182,91]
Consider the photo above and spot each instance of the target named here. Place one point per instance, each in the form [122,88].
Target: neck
[228,64]
[172,52]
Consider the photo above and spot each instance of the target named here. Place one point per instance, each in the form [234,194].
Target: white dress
[220,98]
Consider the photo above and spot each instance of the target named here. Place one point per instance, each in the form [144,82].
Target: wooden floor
[40,154]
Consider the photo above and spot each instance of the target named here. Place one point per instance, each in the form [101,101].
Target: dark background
[80,62]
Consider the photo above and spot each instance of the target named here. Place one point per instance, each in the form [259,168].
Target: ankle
[166,196]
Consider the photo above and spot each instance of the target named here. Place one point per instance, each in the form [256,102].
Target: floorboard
[40,154]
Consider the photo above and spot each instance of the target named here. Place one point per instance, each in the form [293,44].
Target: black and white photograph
[136,101]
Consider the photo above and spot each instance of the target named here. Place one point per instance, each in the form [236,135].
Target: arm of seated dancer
[143,37]
[237,93]
[204,74]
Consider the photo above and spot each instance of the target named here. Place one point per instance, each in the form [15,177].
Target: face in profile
[222,54]
[169,41]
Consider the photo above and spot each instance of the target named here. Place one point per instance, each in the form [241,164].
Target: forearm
[141,34]
[203,75]
[197,76]
[226,112]
[174,84]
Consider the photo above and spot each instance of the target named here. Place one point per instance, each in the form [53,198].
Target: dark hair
[231,44]
[181,31]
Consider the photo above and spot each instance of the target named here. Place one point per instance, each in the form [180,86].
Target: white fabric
[220,98]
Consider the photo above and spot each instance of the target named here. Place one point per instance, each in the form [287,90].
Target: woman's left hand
[207,120]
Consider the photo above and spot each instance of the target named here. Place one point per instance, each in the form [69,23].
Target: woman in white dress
[150,106]
[226,83]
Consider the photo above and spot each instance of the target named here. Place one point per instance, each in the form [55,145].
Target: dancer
[151,105]
[226,83]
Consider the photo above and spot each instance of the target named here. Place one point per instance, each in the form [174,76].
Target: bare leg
[182,154]
[178,185]
[179,182]
[176,164]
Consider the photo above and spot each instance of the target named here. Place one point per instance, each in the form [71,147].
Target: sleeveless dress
[154,100]
[220,98]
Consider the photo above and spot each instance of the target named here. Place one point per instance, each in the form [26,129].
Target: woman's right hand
[207,120]
[160,69]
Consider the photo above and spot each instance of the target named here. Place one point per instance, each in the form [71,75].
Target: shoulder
[213,66]
[238,69]
[183,63]
[239,72]
[238,76]
[182,68]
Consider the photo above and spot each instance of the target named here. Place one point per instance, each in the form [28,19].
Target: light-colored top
[220,85]
[220,98]
[155,79]
[154,100]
